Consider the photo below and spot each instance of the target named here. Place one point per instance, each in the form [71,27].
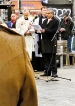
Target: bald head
[25,12]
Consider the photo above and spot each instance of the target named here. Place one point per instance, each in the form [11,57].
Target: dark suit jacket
[49,46]
[39,35]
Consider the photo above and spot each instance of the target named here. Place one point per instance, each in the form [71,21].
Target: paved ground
[57,93]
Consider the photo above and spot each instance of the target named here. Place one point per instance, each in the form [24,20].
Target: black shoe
[54,75]
[45,75]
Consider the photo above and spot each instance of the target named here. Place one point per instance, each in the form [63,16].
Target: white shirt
[49,20]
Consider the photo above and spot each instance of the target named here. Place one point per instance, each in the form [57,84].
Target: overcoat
[49,45]
[17,83]
[68,25]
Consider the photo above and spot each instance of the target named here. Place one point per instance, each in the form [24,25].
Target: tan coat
[17,83]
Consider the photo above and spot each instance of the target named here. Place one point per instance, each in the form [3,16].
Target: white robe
[21,27]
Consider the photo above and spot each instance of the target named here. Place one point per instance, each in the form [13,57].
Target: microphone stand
[54,38]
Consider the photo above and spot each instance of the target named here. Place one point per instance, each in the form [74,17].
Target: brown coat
[17,83]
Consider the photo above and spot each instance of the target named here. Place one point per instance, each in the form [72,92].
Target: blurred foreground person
[17,83]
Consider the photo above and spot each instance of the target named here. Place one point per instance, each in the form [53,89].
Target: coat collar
[50,20]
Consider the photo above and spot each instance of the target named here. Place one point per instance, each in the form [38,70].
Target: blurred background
[10,6]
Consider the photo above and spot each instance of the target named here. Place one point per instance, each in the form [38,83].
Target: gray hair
[51,10]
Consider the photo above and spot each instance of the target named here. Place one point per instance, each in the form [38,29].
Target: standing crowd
[43,43]
[25,40]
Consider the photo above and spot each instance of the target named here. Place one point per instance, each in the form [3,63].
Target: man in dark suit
[49,28]
[38,64]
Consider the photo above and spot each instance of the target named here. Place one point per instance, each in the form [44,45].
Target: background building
[30,4]
[60,6]
[35,5]
[73,6]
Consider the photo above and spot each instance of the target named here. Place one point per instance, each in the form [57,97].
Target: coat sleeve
[29,92]
[18,27]
[53,29]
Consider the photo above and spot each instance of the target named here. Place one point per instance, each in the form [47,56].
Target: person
[1,20]
[17,82]
[9,2]
[37,41]
[23,26]
[73,33]
[73,18]
[49,28]
[66,26]
[12,22]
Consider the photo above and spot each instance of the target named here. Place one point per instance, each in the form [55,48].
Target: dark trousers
[50,65]
[37,62]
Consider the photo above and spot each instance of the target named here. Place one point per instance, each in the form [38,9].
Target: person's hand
[43,30]
[27,33]
[62,29]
